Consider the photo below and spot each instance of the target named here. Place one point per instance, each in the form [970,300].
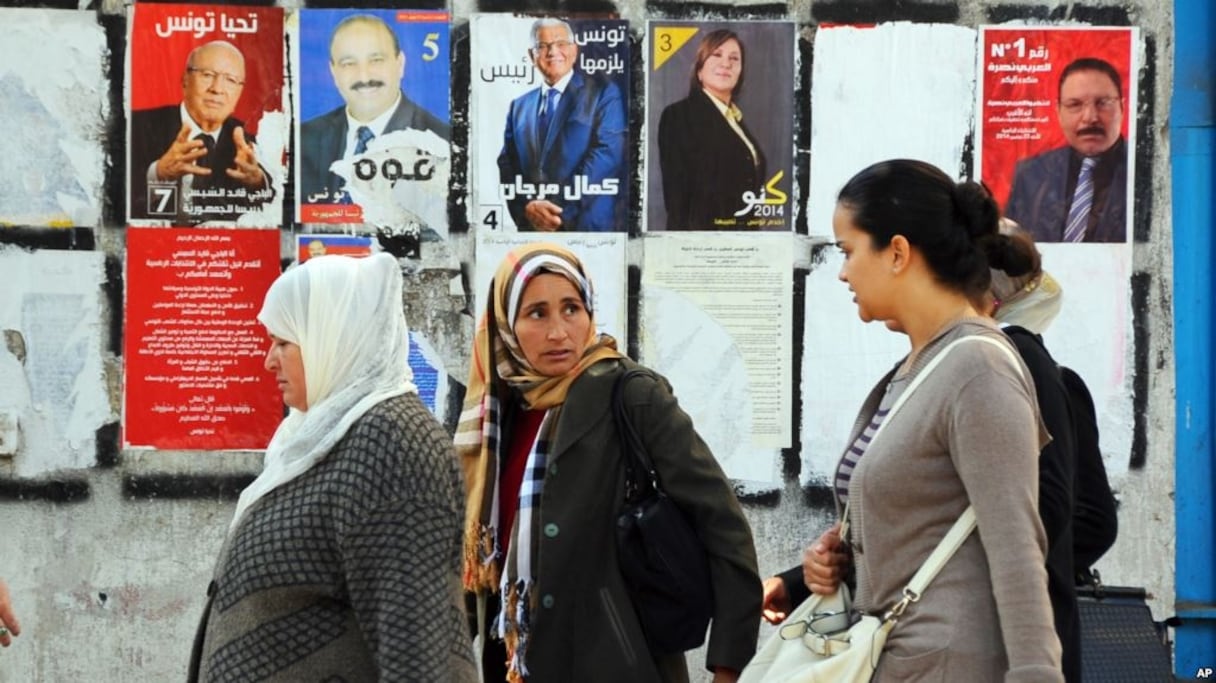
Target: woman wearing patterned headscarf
[545,482]
[342,559]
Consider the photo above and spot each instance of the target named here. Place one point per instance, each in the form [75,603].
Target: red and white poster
[208,119]
[193,347]
[1057,115]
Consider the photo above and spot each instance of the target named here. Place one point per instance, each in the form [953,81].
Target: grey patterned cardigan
[349,572]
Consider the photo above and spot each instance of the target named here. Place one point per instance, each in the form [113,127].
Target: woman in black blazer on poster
[707,155]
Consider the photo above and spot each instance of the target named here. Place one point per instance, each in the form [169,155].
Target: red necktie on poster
[1082,200]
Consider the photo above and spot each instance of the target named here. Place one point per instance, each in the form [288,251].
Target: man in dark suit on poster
[572,125]
[193,162]
[367,65]
[1078,192]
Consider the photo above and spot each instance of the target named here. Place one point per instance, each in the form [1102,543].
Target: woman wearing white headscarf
[342,559]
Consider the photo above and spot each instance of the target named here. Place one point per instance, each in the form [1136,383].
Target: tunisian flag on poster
[193,347]
[1020,72]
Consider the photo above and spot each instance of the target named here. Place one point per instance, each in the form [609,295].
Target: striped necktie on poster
[1082,201]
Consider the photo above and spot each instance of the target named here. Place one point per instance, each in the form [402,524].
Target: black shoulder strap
[631,442]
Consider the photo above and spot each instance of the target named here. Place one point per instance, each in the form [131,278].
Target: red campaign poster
[193,348]
[1030,119]
[208,125]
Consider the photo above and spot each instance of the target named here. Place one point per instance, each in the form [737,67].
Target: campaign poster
[54,103]
[312,246]
[193,348]
[549,124]
[1057,129]
[374,128]
[208,119]
[720,123]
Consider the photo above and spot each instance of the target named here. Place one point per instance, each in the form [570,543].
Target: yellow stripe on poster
[668,40]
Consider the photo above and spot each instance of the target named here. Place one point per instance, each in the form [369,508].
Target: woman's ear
[900,254]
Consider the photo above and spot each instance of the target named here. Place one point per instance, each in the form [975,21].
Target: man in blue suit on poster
[568,134]
[367,65]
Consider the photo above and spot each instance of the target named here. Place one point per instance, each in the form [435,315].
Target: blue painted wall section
[1192,143]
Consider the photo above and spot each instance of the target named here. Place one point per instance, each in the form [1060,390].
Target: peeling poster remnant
[54,101]
[52,383]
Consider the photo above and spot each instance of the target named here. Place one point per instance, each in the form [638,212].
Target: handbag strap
[933,564]
[631,441]
[903,397]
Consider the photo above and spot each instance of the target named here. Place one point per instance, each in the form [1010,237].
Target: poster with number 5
[374,128]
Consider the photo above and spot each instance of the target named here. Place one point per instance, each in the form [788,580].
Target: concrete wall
[108,552]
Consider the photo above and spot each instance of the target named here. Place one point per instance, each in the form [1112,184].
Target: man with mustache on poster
[1078,192]
[194,161]
[367,65]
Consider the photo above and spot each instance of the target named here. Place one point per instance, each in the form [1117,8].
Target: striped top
[848,462]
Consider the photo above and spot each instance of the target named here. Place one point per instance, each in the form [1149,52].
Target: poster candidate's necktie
[1082,201]
[204,181]
[546,112]
[364,135]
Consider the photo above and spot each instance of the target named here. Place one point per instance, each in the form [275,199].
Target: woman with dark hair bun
[918,248]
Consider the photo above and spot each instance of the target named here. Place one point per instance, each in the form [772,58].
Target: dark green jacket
[584,627]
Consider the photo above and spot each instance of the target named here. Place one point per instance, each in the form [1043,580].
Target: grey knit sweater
[349,572]
[970,433]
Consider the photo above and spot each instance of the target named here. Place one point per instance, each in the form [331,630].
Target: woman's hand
[825,562]
[776,600]
[8,622]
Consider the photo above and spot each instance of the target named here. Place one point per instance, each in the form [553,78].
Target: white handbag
[806,650]
[823,640]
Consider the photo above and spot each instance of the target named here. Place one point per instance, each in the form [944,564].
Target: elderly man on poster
[567,136]
[194,160]
[367,65]
[1078,192]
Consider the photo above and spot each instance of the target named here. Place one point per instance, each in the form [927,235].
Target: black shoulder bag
[660,555]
